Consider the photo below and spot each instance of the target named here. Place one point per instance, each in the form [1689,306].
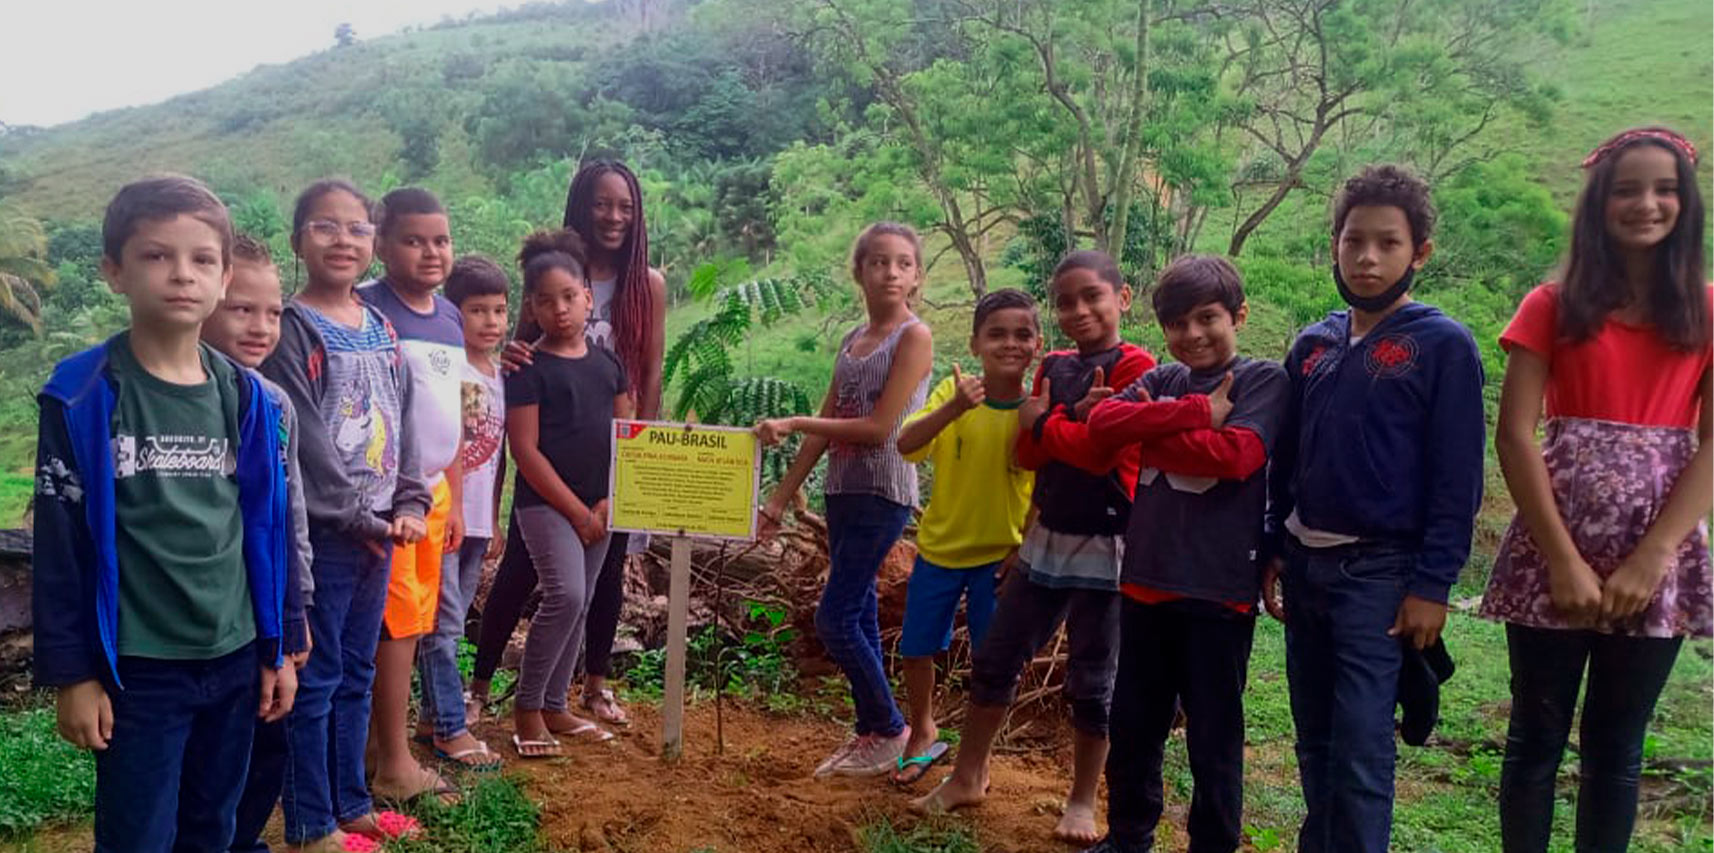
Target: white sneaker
[825,768]
[872,756]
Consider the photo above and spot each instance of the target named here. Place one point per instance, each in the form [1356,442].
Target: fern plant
[699,366]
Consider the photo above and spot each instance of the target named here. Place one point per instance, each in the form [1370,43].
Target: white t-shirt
[484,417]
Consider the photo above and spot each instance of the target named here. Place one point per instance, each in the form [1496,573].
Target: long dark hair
[633,301]
[1677,301]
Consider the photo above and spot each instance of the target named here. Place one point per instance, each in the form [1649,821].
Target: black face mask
[1380,301]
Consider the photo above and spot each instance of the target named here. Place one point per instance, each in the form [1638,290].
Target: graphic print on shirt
[172,456]
[483,429]
[1391,356]
[362,433]
[599,330]
[849,404]
[1311,361]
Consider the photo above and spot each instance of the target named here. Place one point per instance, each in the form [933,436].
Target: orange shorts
[413,591]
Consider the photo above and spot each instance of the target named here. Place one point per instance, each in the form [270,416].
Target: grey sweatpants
[566,571]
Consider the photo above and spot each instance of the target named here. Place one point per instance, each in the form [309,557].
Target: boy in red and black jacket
[1068,565]
[1204,427]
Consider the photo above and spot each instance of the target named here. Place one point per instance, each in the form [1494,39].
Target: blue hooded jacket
[1383,439]
[75,564]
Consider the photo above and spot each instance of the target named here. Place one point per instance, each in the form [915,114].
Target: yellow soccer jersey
[976,514]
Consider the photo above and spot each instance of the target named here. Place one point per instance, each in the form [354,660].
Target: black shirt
[574,397]
[1197,536]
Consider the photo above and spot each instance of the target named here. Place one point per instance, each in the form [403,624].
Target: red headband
[1624,139]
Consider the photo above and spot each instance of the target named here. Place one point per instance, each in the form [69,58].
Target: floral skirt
[1611,481]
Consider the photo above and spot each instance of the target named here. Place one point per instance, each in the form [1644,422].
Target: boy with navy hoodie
[162,538]
[1376,480]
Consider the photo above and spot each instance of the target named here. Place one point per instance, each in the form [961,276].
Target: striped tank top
[871,469]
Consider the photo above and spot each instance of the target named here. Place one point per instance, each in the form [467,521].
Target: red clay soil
[758,797]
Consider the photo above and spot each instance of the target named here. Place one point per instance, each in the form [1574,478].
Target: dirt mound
[758,797]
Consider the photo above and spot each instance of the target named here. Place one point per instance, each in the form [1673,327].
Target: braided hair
[633,300]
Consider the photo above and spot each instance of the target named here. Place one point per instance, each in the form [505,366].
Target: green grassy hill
[279,127]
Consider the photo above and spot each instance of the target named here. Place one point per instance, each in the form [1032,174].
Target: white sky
[64,59]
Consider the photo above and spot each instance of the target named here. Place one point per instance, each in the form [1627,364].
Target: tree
[24,270]
[947,115]
[344,35]
[1368,71]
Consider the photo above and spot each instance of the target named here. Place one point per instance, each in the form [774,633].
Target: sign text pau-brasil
[682,481]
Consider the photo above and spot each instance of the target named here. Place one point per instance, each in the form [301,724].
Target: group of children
[255,518]
[1152,510]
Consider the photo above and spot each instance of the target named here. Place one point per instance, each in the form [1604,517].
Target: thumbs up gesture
[1220,402]
[1098,391]
[971,391]
[1035,405]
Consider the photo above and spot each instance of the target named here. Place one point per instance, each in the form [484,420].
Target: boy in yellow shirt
[975,519]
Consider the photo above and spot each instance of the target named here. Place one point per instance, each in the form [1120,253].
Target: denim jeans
[329,725]
[170,776]
[1193,654]
[261,787]
[1626,675]
[861,529]
[437,654]
[1343,671]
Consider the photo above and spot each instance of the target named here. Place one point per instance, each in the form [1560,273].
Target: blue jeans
[261,787]
[437,654]
[1344,673]
[861,529]
[329,726]
[170,776]
[931,606]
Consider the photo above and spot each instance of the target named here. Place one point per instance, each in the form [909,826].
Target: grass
[944,835]
[494,816]
[44,780]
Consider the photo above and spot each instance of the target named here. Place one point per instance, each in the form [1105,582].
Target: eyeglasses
[327,229]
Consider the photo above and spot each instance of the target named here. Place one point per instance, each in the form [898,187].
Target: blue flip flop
[913,768]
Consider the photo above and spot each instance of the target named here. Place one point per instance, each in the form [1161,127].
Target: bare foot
[951,795]
[1077,824]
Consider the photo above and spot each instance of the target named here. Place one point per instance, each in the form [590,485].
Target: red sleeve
[1536,325]
[1068,441]
[1117,422]
[1231,453]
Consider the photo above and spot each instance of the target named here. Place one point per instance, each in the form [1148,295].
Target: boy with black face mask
[1376,479]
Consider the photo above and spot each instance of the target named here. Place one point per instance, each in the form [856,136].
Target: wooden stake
[678,615]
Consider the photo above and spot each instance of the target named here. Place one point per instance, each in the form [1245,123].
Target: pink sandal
[355,843]
[389,826]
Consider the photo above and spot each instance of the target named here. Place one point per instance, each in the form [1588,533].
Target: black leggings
[515,580]
[1626,675]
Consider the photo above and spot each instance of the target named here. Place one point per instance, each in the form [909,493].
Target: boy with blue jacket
[162,557]
[1376,479]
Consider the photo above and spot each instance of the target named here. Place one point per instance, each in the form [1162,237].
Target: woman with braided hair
[604,206]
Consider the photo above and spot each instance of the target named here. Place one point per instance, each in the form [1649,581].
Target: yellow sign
[684,479]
